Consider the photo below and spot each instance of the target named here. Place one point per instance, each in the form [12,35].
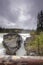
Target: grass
[36,43]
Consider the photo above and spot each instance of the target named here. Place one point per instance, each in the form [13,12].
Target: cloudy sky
[19,13]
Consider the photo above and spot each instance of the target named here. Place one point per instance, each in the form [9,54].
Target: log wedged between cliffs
[23,60]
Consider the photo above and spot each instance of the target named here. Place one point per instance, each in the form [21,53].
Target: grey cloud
[16,13]
[5,10]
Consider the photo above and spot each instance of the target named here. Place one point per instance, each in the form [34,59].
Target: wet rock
[27,48]
[12,43]
[28,39]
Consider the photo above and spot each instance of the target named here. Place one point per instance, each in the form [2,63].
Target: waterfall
[22,51]
[2,49]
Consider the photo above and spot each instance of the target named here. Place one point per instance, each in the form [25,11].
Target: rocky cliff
[12,43]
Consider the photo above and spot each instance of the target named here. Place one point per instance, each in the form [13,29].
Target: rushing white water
[22,51]
[2,49]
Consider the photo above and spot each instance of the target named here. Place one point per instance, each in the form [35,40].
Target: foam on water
[24,35]
[2,50]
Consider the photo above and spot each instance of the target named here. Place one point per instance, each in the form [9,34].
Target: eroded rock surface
[28,46]
[12,43]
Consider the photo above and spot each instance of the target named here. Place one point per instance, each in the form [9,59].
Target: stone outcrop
[29,50]
[28,39]
[12,43]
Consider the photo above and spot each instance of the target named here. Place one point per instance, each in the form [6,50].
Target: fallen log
[24,60]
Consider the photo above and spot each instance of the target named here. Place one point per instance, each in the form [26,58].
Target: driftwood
[24,60]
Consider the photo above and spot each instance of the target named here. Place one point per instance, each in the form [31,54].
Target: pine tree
[40,21]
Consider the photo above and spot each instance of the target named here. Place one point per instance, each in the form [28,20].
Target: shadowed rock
[12,43]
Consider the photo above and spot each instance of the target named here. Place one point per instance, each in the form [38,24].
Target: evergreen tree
[40,21]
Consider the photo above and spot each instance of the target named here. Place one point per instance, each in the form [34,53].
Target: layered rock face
[31,50]
[12,43]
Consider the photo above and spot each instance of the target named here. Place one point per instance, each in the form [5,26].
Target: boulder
[12,42]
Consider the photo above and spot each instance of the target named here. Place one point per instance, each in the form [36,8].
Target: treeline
[5,30]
